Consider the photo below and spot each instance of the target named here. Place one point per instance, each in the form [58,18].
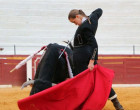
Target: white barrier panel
[29,70]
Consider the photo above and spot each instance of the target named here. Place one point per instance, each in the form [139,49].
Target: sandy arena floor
[129,98]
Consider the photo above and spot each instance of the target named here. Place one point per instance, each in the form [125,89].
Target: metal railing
[29,49]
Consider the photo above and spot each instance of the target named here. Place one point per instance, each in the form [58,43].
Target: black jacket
[85,33]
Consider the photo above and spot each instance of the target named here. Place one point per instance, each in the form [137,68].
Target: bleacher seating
[29,24]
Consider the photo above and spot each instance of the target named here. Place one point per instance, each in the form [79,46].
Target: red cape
[89,90]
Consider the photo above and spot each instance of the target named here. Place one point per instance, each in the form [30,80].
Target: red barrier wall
[7,63]
[126,67]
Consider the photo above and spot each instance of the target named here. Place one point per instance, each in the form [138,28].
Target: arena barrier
[126,67]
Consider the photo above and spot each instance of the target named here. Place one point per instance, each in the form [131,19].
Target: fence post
[14,49]
[133,49]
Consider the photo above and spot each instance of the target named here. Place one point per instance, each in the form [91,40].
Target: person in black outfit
[85,47]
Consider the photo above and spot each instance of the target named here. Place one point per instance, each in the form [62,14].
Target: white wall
[40,22]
